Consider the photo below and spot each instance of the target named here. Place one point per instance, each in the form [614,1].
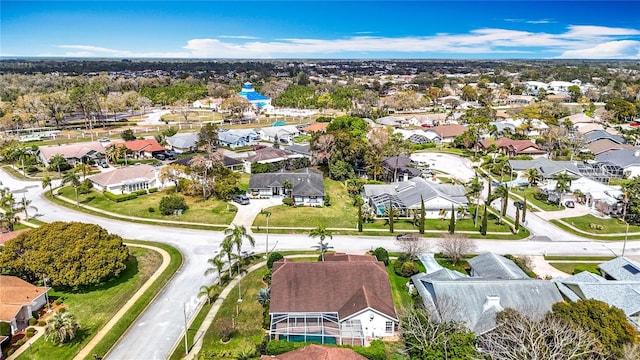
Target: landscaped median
[593,227]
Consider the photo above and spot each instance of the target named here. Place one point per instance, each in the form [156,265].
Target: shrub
[151,209]
[119,198]
[85,187]
[35,314]
[169,204]
[32,321]
[540,196]
[273,257]
[20,342]
[140,192]
[42,323]
[277,347]
[59,301]
[327,200]
[408,269]
[5,329]
[153,189]
[287,201]
[62,310]
[382,255]
[30,332]
[375,351]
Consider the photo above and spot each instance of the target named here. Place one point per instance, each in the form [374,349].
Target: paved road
[155,333]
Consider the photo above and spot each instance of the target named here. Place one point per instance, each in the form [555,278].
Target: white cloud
[582,31]
[245,37]
[541,21]
[623,49]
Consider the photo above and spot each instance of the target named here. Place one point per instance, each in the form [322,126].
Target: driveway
[456,166]
[579,210]
[247,213]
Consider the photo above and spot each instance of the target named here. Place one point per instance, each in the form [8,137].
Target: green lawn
[529,191]
[579,258]
[93,307]
[341,213]
[609,226]
[399,290]
[570,268]
[211,211]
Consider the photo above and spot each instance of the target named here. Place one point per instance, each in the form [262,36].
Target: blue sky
[329,29]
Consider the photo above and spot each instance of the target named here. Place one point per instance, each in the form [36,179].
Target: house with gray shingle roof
[492,266]
[306,186]
[595,135]
[548,169]
[627,159]
[183,142]
[621,268]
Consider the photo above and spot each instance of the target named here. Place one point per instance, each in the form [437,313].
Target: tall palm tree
[502,192]
[61,327]
[209,292]
[217,264]
[72,178]
[475,189]
[322,233]
[236,236]
[46,181]
[226,249]
[82,168]
[563,182]
[532,175]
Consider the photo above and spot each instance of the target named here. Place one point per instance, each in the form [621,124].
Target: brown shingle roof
[603,145]
[451,130]
[316,126]
[518,146]
[71,150]
[348,257]
[14,293]
[317,352]
[118,176]
[345,287]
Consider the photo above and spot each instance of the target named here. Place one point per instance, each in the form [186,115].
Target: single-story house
[619,287]
[402,167]
[127,179]
[18,300]
[183,142]
[406,197]
[6,235]
[416,136]
[583,128]
[427,120]
[512,147]
[302,149]
[604,145]
[315,127]
[74,153]
[393,121]
[208,103]
[520,99]
[493,266]
[283,134]
[142,148]
[598,196]
[446,133]
[306,186]
[236,138]
[308,304]
[627,159]
[475,301]
[269,155]
[595,135]
[548,169]
[227,161]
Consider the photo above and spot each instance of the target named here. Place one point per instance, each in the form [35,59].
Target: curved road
[154,334]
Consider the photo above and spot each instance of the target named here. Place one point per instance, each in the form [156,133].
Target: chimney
[492,301]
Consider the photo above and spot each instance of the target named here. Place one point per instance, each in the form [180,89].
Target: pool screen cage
[323,328]
[381,202]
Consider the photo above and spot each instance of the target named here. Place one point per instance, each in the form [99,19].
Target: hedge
[375,351]
[120,198]
[153,189]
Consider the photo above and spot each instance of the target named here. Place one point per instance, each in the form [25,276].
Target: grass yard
[209,212]
[341,213]
[579,258]
[609,226]
[399,290]
[528,192]
[571,268]
[93,307]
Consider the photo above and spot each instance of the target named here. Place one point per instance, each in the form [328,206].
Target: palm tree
[217,264]
[208,291]
[563,182]
[475,189]
[226,249]
[502,192]
[83,168]
[532,175]
[236,236]
[61,327]
[25,204]
[46,181]
[264,296]
[322,233]
[72,178]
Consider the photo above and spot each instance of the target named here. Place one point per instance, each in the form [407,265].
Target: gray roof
[621,294]
[492,266]
[299,149]
[229,138]
[475,301]
[547,168]
[622,157]
[304,182]
[409,191]
[621,268]
[390,120]
[183,141]
[592,136]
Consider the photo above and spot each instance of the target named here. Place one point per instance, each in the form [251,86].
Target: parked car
[519,204]
[160,156]
[241,199]
[570,204]
[103,164]
[104,139]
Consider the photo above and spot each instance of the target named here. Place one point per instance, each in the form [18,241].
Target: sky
[515,29]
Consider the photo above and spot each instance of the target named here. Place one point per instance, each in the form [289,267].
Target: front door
[275,191]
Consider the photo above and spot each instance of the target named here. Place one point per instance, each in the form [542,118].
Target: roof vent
[492,301]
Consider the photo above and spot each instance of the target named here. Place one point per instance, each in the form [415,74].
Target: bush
[153,189]
[327,200]
[382,255]
[375,351]
[5,329]
[42,323]
[423,146]
[169,204]
[408,268]
[287,201]
[59,301]
[277,347]
[140,192]
[30,332]
[119,198]
[32,321]
[62,310]
[540,196]
[85,187]
[35,315]
[273,257]
[21,342]
[152,210]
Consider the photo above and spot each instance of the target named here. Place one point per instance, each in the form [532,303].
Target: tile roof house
[548,169]
[315,127]
[18,299]
[446,133]
[307,186]
[317,352]
[512,147]
[183,142]
[579,118]
[10,235]
[73,153]
[406,196]
[309,304]
[492,266]
[142,148]
[126,180]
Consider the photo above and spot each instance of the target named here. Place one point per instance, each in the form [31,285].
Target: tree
[422,216]
[72,178]
[483,227]
[524,210]
[209,292]
[454,247]
[360,215]
[46,181]
[428,338]
[452,221]
[563,182]
[321,233]
[237,235]
[172,173]
[607,323]
[621,109]
[264,296]
[516,226]
[381,254]
[395,147]
[475,189]
[58,163]
[574,92]
[71,254]
[171,203]
[532,175]
[226,249]
[517,336]
[411,244]
[128,135]
[502,192]
[273,257]
[208,137]
[217,264]
[61,327]
[390,211]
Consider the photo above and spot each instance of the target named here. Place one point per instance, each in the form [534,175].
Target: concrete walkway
[84,352]
[429,262]
[543,269]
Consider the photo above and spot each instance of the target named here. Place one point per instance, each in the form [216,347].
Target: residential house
[596,195]
[415,136]
[512,147]
[283,134]
[86,152]
[305,186]
[583,128]
[302,149]
[406,197]
[520,99]
[317,352]
[627,159]
[400,168]
[392,121]
[127,179]
[315,127]
[228,162]
[548,169]
[619,286]
[579,118]
[595,135]
[142,148]
[493,266]
[237,138]
[308,304]
[18,301]
[269,155]
[427,120]
[605,145]
[208,103]
[446,133]
[183,142]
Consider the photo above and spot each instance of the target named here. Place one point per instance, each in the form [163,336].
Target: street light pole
[186,334]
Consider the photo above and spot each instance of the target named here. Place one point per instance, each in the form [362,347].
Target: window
[388,327]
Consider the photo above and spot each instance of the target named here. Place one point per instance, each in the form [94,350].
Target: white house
[18,300]
[306,186]
[283,134]
[126,180]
